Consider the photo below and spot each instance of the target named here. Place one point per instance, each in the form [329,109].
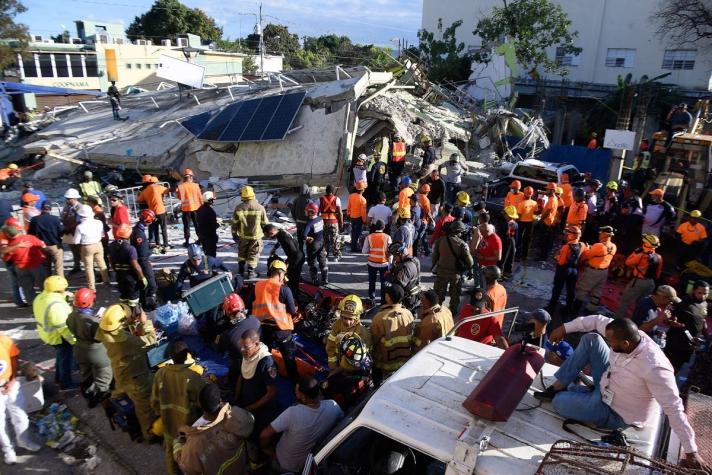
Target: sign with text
[619,139]
[181,72]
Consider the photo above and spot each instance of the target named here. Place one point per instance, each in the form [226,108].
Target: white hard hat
[72,193]
[208,195]
[85,211]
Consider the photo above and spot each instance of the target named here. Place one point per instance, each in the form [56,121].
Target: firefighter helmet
[463,197]
[511,212]
[84,298]
[311,207]
[114,316]
[355,353]
[351,305]
[55,283]
[247,193]
[147,216]
[233,303]
[278,264]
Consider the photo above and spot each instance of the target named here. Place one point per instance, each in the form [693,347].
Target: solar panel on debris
[197,123]
[266,118]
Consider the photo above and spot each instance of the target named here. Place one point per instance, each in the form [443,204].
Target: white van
[415,424]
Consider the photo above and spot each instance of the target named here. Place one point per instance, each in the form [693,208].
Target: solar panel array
[256,120]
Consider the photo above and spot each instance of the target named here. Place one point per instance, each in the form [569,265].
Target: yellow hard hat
[279,265]
[695,213]
[511,212]
[55,283]
[559,191]
[651,240]
[463,197]
[247,193]
[425,138]
[12,166]
[612,185]
[114,316]
[404,213]
[351,305]
[157,427]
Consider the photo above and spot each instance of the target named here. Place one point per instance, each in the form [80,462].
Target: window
[28,64]
[46,65]
[156,65]
[679,59]
[620,58]
[60,60]
[76,63]
[138,65]
[92,67]
[128,66]
[148,65]
[567,59]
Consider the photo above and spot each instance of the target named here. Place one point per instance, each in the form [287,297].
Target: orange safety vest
[551,205]
[498,295]
[327,206]
[267,306]
[190,196]
[377,248]
[398,153]
[404,197]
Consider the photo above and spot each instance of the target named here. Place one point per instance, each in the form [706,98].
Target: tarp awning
[24,88]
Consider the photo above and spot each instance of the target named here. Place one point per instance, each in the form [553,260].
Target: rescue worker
[70,221]
[127,335]
[592,142]
[692,235]
[405,231]
[548,226]
[419,224]
[509,239]
[567,270]
[567,197]
[221,430]
[26,253]
[139,240]
[376,183]
[375,246]
[358,216]
[247,222]
[597,258]
[514,196]
[435,321]
[228,341]
[51,311]
[94,364]
[28,188]
[8,176]
[454,169]
[646,266]
[330,212]
[292,251]
[629,220]
[316,253]
[496,293]
[191,198]
[124,260]
[29,210]
[152,197]
[175,397]
[657,213]
[451,259]
[610,204]
[578,211]
[298,208]
[347,325]
[405,272]
[274,306]
[405,192]
[487,330]
[462,202]
[198,267]
[88,186]
[207,224]
[526,210]
[391,334]
[429,155]
[397,161]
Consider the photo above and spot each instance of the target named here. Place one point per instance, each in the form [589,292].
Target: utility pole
[262,46]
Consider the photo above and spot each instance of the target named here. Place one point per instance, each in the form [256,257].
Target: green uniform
[90,188]
[94,363]
[247,222]
[175,398]
[127,353]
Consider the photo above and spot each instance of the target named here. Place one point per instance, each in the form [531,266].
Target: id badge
[607,396]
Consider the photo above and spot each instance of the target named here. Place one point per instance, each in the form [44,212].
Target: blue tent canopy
[23,88]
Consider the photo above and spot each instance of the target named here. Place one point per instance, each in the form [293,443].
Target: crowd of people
[587,233]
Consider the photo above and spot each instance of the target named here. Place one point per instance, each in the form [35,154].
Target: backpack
[121,413]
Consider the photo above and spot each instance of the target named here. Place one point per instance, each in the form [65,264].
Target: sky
[377,22]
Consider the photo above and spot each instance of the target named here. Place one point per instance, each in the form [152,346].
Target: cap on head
[669,292]
[540,315]
[311,207]
[29,198]
[606,230]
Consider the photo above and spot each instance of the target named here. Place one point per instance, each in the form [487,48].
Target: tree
[443,55]
[168,18]
[61,37]
[9,30]
[685,21]
[531,26]
[249,66]
[277,38]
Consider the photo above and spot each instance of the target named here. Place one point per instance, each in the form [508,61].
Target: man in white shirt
[380,212]
[630,377]
[88,234]
[302,426]
[454,170]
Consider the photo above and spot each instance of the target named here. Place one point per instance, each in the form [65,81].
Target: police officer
[406,273]
[567,264]
[645,265]
[316,253]
[207,224]
[124,261]
[198,267]
[127,335]
[247,222]
[293,252]
[451,258]
[140,242]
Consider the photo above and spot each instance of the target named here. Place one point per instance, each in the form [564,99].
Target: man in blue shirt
[314,238]
[49,229]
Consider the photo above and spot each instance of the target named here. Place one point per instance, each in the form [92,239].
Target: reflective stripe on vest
[398,151]
[328,206]
[377,248]
[189,196]
[45,325]
[268,307]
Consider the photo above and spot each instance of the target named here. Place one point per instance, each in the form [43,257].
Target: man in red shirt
[489,251]
[444,217]
[486,330]
[26,254]
[119,213]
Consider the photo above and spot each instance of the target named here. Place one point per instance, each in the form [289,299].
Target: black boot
[324,276]
[241,268]
[250,274]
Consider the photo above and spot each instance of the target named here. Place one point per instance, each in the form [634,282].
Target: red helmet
[233,303]
[311,207]
[147,216]
[84,298]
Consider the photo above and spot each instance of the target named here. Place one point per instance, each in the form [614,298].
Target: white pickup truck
[415,423]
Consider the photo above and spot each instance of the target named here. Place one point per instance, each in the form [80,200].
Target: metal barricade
[131,199]
[473,318]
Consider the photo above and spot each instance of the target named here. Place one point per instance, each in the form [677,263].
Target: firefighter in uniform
[391,334]
[124,260]
[645,265]
[597,258]
[247,222]
[127,335]
[190,200]
[566,274]
[94,364]
[140,242]
[395,167]
[330,211]
[274,306]
[198,267]
[435,321]
[451,258]
[406,273]
[292,251]
[316,253]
